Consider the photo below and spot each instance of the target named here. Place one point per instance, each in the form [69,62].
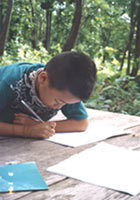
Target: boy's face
[52,97]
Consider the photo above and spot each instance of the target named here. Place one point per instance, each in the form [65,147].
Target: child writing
[61,84]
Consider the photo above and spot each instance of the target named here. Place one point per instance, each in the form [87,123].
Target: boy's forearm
[7,129]
[71,125]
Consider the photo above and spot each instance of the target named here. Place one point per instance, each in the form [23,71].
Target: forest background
[106,30]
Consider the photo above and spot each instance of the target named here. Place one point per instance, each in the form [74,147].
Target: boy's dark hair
[74,72]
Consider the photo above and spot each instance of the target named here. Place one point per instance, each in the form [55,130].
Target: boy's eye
[59,102]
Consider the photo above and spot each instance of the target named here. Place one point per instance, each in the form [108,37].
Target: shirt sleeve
[75,111]
[5,95]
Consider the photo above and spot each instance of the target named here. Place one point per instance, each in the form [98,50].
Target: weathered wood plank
[46,154]
[25,150]
[71,189]
[115,119]
[110,118]
[129,141]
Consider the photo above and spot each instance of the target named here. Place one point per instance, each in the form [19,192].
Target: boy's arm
[67,125]
[77,118]
[71,125]
[38,130]
[7,129]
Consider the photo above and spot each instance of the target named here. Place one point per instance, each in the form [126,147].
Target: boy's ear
[43,76]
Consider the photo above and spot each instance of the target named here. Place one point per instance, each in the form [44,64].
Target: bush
[120,95]
[17,52]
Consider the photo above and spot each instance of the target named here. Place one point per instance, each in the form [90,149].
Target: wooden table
[46,154]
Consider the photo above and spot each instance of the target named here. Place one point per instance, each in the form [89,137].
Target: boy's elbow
[84,124]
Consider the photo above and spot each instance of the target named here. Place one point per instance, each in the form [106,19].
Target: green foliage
[103,26]
[103,35]
[18,52]
[116,95]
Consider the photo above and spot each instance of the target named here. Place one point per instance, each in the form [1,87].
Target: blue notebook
[21,177]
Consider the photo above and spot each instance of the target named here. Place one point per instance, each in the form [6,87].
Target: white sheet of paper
[96,132]
[105,165]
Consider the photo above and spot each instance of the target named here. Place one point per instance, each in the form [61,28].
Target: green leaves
[120,95]
[104,35]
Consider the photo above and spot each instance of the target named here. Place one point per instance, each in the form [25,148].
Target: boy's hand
[33,128]
[40,130]
[21,118]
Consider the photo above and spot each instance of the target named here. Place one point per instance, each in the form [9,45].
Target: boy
[66,80]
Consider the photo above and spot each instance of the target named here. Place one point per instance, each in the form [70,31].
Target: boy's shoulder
[15,71]
[21,67]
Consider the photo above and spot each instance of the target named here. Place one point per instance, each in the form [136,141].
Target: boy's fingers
[19,121]
[50,130]
[41,130]
[16,122]
[21,115]
[52,124]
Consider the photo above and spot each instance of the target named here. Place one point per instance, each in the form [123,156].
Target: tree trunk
[34,31]
[75,27]
[132,26]
[48,6]
[123,58]
[1,17]
[137,49]
[4,33]
[48,28]
[34,40]
[40,30]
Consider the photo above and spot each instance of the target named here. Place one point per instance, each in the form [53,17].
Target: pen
[31,110]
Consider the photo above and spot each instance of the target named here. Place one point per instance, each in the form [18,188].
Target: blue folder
[21,177]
